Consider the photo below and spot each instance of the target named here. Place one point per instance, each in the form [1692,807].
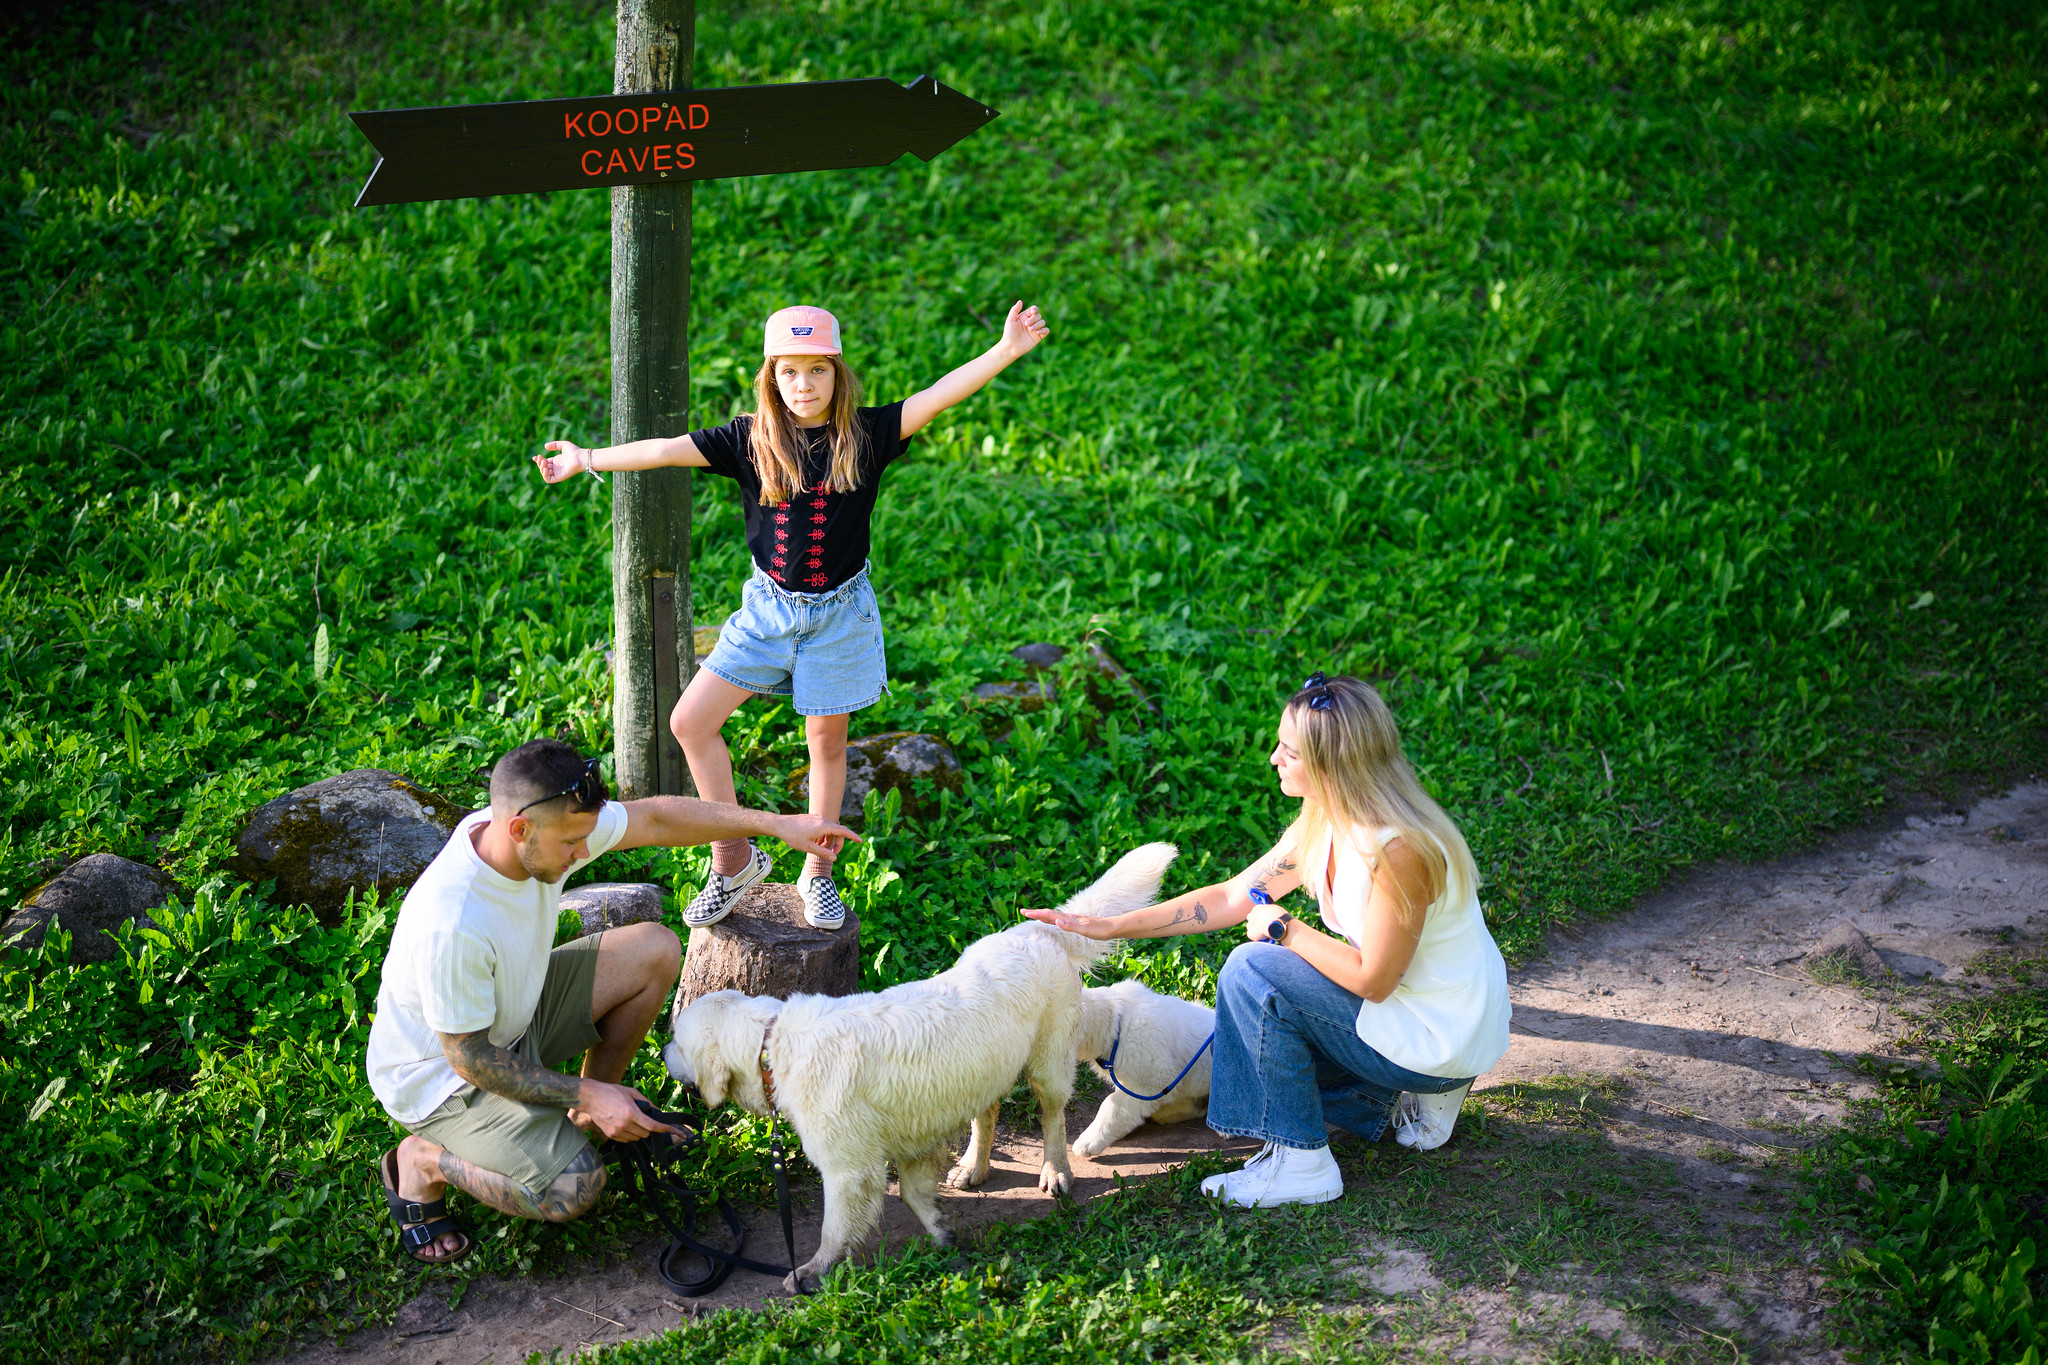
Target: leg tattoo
[572,1195]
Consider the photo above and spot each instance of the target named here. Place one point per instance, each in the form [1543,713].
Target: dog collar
[767,1076]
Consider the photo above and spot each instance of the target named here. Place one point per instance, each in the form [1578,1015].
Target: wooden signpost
[476,150]
[647,142]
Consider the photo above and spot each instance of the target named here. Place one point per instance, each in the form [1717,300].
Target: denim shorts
[823,650]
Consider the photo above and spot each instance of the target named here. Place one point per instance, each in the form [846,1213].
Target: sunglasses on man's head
[588,789]
[1316,688]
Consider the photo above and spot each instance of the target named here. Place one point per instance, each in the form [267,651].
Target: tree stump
[764,948]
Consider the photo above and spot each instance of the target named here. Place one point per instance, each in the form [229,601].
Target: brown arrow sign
[476,150]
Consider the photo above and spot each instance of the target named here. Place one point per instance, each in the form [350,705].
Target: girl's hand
[1023,329]
[1084,925]
[567,463]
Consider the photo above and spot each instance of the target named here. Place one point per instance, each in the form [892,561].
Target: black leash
[643,1161]
[1108,1064]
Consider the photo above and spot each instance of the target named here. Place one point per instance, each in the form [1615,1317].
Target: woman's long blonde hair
[777,443]
[1362,783]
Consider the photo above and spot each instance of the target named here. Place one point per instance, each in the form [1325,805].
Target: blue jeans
[1289,1059]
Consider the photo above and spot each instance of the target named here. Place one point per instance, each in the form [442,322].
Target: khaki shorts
[531,1143]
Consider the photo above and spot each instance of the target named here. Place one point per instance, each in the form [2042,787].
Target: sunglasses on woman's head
[588,789]
[1316,688]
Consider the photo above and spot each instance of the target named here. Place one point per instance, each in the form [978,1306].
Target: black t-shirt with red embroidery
[818,539]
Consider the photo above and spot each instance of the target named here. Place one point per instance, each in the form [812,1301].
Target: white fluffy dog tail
[1132,884]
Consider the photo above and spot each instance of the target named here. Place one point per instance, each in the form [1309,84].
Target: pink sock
[729,857]
[814,866]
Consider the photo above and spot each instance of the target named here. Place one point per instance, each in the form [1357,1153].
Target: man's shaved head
[547,771]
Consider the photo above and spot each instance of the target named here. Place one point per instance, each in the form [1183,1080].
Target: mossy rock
[892,761]
[349,833]
[90,899]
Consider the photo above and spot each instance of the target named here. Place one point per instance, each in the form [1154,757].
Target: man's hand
[1087,926]
[615,1111]
[812,834]
[1023,329]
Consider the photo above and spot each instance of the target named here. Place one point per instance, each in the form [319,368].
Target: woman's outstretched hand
[1084,925]
[1023,329]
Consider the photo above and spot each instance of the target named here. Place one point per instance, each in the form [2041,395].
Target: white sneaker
[1213,1185]
[822,907]
[716,900]
[1287,1175]
[1424,1122]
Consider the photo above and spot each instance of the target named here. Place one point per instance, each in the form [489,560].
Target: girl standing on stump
[809,462]
[1386,1013]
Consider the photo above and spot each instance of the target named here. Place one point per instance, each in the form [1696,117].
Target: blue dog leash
[1108,1064]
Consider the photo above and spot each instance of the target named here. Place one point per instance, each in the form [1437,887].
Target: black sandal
[430,1220]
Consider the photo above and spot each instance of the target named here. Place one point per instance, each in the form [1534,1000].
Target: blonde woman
[1385,1013]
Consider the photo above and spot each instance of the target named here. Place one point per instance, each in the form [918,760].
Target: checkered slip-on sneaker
[720,893]
[822,907]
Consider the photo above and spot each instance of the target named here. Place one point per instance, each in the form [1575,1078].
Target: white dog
[870,1080]
[1155,1036]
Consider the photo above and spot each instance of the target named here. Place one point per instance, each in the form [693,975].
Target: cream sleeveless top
[1448,1016]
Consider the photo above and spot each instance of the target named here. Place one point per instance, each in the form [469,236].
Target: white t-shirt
[1448,1015]
[469,952]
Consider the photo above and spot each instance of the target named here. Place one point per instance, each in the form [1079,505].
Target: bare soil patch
[1666,1068]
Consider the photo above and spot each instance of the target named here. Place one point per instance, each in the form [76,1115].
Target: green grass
[1934,1198]
[1648,396]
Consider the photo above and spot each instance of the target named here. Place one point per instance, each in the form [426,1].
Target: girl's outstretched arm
[571,459]
[1022,330]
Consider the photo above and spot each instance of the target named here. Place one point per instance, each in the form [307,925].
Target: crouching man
[477,1006]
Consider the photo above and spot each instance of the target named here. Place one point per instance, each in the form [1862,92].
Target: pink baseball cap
[801,330]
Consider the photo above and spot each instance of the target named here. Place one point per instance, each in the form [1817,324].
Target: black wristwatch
[1276,932]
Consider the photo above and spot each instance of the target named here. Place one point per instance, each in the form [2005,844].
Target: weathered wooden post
[652,657]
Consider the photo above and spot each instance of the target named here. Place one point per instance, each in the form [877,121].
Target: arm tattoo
[1270,868]
[1201,915]
[502,1071]
[571,1195]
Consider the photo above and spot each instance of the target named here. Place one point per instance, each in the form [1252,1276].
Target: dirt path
[1701,990]
[1716,1052]
[506,1320]
[1692,1018]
